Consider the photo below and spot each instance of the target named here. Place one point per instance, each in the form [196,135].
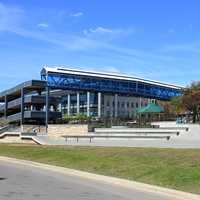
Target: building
[26,102]
[64,91]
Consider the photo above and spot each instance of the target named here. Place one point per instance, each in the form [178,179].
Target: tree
[171,108]
[188,102]
[176,106]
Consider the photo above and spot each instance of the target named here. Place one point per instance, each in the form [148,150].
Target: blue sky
[155,39]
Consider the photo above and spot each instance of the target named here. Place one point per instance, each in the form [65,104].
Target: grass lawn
[172,168]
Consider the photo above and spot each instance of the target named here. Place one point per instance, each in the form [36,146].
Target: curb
[175,194]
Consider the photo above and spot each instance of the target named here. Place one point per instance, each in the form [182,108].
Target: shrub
[75,119]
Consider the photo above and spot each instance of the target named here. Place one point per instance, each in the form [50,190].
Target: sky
[155,39]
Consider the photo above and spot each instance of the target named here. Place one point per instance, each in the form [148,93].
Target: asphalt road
[19,182]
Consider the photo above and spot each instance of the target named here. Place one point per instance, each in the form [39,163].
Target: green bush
[75,119]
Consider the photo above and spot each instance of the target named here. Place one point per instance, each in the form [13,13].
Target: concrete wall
[15,139]
[54,131]
[29,128]
[59,130]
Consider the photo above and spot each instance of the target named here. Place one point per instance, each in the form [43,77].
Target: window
[113,103]
[93,98]
[132,105]
[83,99]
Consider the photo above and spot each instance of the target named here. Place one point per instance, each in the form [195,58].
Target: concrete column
[68,104]
[116,105]
[99,104]
[88,104]
[125,108]
[47,108]
[140,101]
[78,104]
[22,108]
[59,107]
[5,106]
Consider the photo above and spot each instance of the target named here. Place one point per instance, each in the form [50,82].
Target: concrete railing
[4,129]
[9,128]
[4,134]
[136,131]
[181,128]
[92,136]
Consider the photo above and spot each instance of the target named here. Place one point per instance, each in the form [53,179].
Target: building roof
[151,108]
[117,76]
[31,85]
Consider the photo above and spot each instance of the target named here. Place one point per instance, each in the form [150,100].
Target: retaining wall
[59,130]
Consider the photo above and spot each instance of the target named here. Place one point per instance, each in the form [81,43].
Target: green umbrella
[151,108]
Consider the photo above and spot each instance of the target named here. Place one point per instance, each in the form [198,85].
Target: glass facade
[76,82]
[82,104]
[85,82]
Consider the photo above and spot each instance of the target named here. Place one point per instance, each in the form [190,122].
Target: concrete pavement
[186,139]
[20,180]
[151,143]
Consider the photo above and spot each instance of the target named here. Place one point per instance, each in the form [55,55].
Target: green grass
[172,168]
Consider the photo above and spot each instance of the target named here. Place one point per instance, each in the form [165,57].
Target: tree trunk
[194,117]
[197,117]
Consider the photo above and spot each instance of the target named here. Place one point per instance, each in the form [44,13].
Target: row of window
[108,85]
[82,99]
[128,104]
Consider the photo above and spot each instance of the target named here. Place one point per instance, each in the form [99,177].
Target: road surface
[20,182]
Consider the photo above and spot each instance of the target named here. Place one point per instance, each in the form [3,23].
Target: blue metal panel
[75,82]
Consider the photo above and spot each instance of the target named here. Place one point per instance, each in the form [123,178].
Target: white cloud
[10,17]
[99,38]
[111,69]
[102,30]
[78,14]
[108,32]
[43,25]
